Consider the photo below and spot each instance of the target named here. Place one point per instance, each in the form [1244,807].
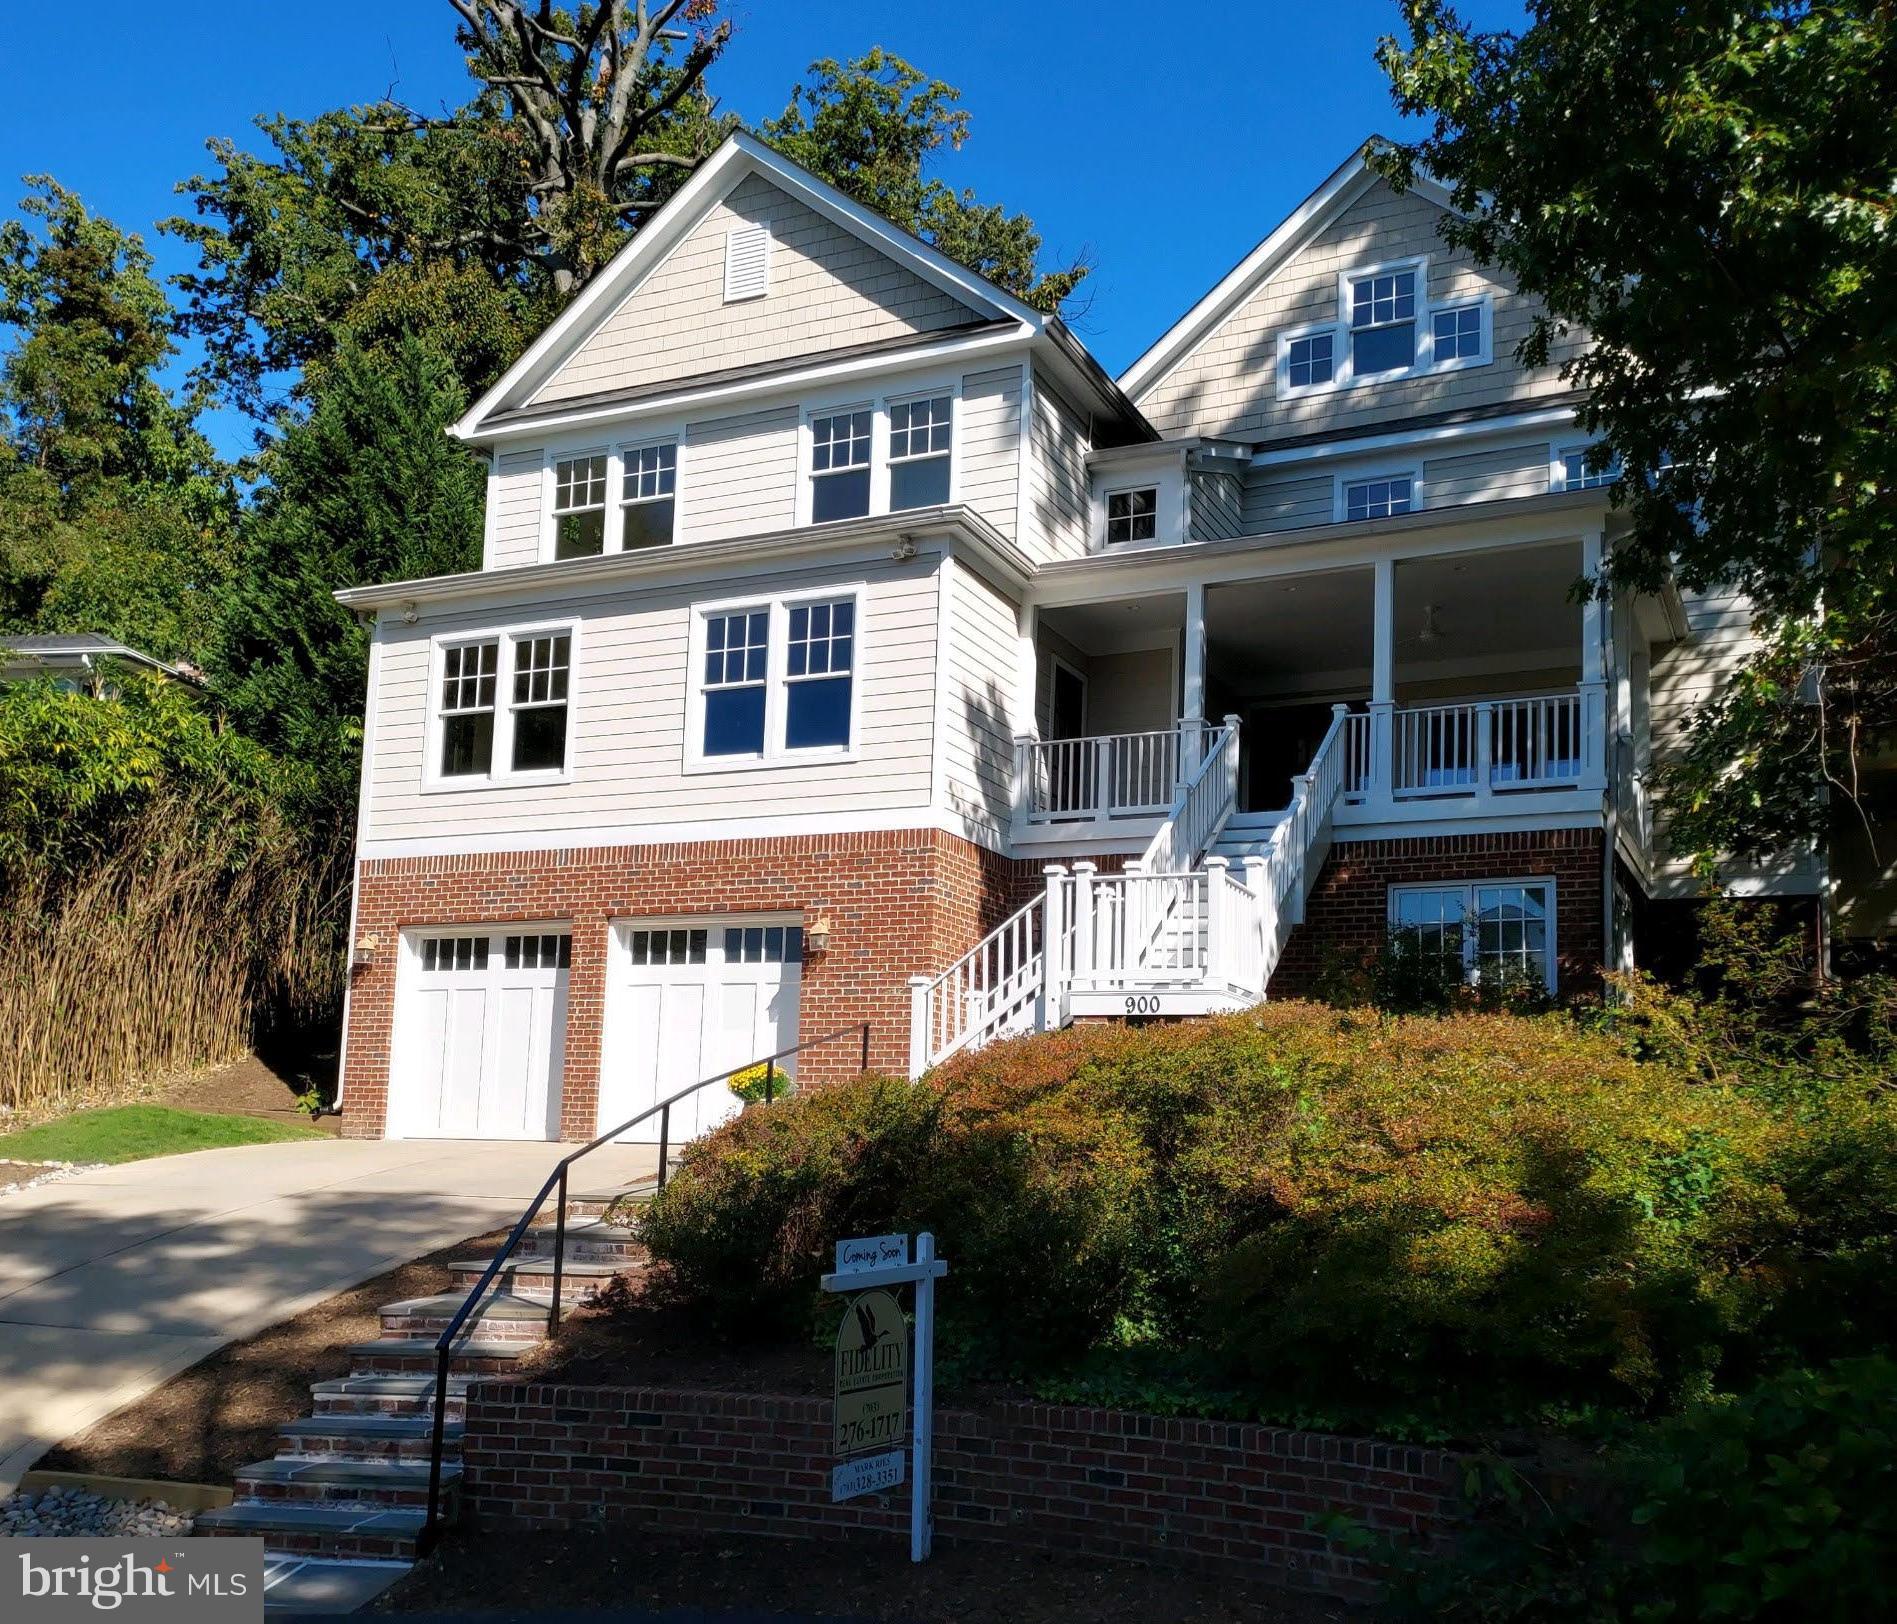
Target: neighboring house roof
[993,310]
[68,651]
[1342,187]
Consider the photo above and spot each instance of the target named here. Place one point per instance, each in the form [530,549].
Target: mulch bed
[225,1411]
[525,1575]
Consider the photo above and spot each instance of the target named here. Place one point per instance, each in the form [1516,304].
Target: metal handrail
[444,1344]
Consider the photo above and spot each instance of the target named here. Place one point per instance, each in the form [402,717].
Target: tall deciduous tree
[873,127]
[1706,188]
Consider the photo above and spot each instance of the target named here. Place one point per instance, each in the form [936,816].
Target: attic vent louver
[747,262]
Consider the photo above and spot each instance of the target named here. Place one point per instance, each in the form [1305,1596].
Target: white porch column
[1217,900]
[1053,933]
[1594,626]
[1377,786]
[1083,923]
[1192,681]
[1027,670]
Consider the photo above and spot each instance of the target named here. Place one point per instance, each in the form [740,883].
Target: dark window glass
[839,496]
[1309,361]
[817,714]
[1383,349]
[1133,515]
[648,524]
[1383,323]
[734,721]
[540,739]
[579,535]
[467,744]
[923,483]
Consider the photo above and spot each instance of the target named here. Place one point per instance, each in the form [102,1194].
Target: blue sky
[1160,153]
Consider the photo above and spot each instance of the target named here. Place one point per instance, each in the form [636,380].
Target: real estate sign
[872,1374]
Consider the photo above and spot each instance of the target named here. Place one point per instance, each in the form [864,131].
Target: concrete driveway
[112,1281]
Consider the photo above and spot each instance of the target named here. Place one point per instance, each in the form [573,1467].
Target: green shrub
[1435,1222]
[1777,1505]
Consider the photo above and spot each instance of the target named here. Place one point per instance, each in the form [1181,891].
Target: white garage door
[481,1031]
[687,1000]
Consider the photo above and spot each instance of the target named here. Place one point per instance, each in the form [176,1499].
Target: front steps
[342,1504]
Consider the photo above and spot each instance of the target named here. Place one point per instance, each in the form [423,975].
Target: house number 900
[1144,1004]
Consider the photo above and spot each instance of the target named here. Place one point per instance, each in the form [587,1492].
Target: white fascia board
[1336,192]
[996,346]
[972,538]
[1552,417]
[739,156]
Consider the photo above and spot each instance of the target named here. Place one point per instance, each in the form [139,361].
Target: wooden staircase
[342,1504]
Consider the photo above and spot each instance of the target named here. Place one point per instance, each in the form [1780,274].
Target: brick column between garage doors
[901,903]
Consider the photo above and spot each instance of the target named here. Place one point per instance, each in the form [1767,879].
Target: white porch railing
[1203,803]
[1105,777]
[1478,748]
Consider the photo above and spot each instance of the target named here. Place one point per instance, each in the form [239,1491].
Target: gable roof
[993,310]
[1341,188]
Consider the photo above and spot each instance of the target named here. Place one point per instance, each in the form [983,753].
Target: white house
[849,646]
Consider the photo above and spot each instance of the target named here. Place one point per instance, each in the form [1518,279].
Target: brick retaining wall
[1105,1482]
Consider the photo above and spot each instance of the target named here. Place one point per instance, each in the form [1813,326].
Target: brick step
[388,1395]
[345,1483]
[501,1318]
[412,1355]
[532,1277]
[360,1533]
[589,1241]
[363,1437]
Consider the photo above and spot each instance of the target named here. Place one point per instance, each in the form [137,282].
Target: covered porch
[1468,683]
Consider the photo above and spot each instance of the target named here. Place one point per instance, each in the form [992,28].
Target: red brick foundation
[1205,1494]
[900,903]
[1347,914]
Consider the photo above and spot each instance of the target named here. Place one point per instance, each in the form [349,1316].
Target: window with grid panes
[446,953]
[764,944]
[737,650]
[1456,334]
[579,506]
[648,497]
[1377,498]
[549,951]
[1310,360]
[468,677]
[539,706]
[677,946]
[1383,323]
[839,465]
[820,655]
[919,435]
[1499,931]
[1132,516]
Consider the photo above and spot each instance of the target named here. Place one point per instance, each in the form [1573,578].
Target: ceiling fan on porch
[1430,632]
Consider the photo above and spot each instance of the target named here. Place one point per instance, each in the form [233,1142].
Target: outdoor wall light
[366,949]
[818,935]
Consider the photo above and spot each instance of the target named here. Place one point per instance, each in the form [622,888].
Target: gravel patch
[24,1175]
[46,1514]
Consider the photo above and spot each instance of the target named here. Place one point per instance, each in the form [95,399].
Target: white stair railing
[993,990]
[1283,875]
[1205,800]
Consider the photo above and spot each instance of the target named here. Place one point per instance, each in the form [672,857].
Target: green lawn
[129,1133]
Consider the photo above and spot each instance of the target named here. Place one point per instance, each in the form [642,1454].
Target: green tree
[1706,189]
[367,488]
[872,127]
[114,510]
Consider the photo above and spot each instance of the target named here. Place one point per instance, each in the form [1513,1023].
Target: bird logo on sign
[866,1324]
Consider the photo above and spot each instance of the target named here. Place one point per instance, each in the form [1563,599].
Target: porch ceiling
[1121,626]
[1489,604]
[1260,631]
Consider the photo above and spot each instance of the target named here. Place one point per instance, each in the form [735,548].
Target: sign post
[870,1356]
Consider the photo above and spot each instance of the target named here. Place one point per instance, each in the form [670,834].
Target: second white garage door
[687,999]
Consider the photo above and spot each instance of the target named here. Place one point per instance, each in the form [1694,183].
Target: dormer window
[1383,323]
[1385,329]
[1132,516]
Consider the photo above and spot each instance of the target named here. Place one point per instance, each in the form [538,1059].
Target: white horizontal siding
[517,493]
[628,734]
[738,476]
[980,727]
[829,289]
[990,452]
[1058,501]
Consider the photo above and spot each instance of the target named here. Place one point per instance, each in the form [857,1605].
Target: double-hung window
[648,496]
[819,673]
[1499,931]
[919,435]
[467,707]
[1378,498]
[1383,323]
[776,680]
[737,663]
[839,465]
[579,506]
[503,706]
